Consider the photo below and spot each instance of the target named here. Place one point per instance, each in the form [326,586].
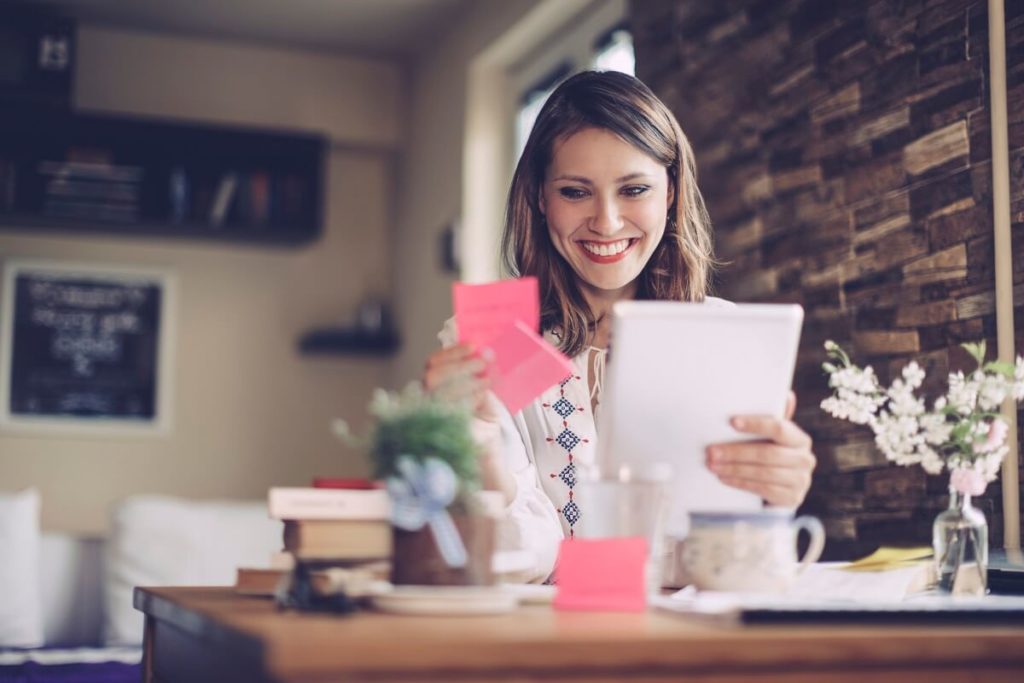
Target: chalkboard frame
[160,423]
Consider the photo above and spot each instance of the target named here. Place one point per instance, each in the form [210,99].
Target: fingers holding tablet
[776,467]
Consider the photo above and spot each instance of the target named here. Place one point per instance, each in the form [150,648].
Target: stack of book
[92,191]
[337,535]
[333,526]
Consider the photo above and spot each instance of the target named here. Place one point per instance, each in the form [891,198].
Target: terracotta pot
[417,561]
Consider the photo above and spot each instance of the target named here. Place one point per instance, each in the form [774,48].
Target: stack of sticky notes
[504,317]
[886,558]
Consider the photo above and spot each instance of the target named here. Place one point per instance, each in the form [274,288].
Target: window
[531,103]
[599,40]
[615,52]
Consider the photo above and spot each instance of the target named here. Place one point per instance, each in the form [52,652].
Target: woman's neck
[601,302]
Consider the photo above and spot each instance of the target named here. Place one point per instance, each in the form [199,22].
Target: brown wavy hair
[680,267]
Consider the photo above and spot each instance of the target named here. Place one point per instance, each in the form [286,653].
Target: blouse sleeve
[531,523]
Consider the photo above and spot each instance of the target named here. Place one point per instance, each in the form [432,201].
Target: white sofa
[85,583]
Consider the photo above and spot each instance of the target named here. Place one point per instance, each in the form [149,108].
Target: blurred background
[310,177]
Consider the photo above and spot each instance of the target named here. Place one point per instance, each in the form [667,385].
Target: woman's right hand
[462,374]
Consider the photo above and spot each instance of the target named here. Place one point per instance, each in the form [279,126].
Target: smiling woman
[606,204]
[604,207]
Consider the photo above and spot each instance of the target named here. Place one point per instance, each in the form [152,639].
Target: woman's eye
[635,190]
[572,192]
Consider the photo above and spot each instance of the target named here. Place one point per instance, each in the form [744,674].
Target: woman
[604,206]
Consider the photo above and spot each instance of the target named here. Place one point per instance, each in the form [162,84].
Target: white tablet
[676,373]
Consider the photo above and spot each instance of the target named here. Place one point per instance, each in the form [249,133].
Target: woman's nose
[607,218]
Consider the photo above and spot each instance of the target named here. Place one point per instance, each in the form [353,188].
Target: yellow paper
[890,558]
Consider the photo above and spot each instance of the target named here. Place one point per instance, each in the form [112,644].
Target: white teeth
[606,248]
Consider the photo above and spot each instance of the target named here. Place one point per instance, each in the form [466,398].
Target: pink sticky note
[525,366]
[483,312]
[603,574]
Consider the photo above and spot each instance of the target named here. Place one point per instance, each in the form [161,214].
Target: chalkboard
[83,346]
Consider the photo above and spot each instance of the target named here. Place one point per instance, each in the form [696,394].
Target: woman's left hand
[776,467]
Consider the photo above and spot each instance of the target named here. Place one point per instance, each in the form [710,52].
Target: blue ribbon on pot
[421,496]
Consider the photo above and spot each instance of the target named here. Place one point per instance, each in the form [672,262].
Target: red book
[344,483]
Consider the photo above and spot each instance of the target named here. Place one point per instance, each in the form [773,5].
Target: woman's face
[606,204]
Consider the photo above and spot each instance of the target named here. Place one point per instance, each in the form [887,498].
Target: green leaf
[977,351]
[1000,367]
[961,431]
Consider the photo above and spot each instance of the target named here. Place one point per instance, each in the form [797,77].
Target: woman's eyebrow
[632,176]
[575,179]
[587,181]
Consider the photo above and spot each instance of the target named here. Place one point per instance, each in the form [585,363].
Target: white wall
[249,412]
[460,116]
[357,101]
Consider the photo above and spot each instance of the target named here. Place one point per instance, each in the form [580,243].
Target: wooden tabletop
[537,642]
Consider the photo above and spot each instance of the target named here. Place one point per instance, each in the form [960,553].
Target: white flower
[962,394]
[902,400]
[898,438]
[852,406]
[854,379]
[1018,377]
[935,428]
[913,374]
[989,465]
[931,461]
[992,391]
[908,434]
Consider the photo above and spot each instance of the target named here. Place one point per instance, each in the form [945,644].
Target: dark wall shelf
[88,173]
[350,341]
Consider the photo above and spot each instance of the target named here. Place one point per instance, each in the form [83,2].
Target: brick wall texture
[843,148]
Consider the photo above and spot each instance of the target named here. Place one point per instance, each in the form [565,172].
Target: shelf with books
[91,173]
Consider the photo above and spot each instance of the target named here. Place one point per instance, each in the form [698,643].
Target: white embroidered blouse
[544,445]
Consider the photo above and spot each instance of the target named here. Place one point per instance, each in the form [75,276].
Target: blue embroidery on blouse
[568,440]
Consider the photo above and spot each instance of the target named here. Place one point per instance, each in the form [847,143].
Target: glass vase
[960,543]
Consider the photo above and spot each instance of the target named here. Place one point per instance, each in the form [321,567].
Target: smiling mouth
[608,252]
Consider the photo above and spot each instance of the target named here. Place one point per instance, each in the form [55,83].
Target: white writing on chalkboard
[82,346]
[86,297]
[83,333]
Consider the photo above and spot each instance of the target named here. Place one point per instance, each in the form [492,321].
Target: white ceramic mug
[748,552]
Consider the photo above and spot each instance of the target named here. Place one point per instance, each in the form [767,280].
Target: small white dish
[531,593]
[446,600]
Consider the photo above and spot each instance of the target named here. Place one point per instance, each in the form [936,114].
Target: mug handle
[816,531]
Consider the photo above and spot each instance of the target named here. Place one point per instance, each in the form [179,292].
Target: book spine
[310,503]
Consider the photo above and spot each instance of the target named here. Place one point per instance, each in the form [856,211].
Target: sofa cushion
[71,574]
[163,541]
[21,621]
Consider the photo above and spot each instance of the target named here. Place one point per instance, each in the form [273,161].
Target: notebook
[1006,572]
[924,609]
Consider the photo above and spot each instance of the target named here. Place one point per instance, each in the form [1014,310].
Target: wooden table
[211,634]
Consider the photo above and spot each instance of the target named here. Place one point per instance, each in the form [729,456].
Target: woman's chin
[610,285]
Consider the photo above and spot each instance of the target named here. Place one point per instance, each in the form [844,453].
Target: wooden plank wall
[843,148]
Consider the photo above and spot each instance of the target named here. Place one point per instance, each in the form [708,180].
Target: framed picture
[85,349]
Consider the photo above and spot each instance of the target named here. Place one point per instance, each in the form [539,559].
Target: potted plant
[963,433]
[422,448]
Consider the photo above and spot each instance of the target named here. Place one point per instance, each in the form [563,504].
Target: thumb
[790,405]
[490,407]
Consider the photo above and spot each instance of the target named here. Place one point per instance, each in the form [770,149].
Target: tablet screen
[676,373]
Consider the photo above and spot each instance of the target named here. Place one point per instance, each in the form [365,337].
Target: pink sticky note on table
[483,312]
[602,574]
[525,366]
